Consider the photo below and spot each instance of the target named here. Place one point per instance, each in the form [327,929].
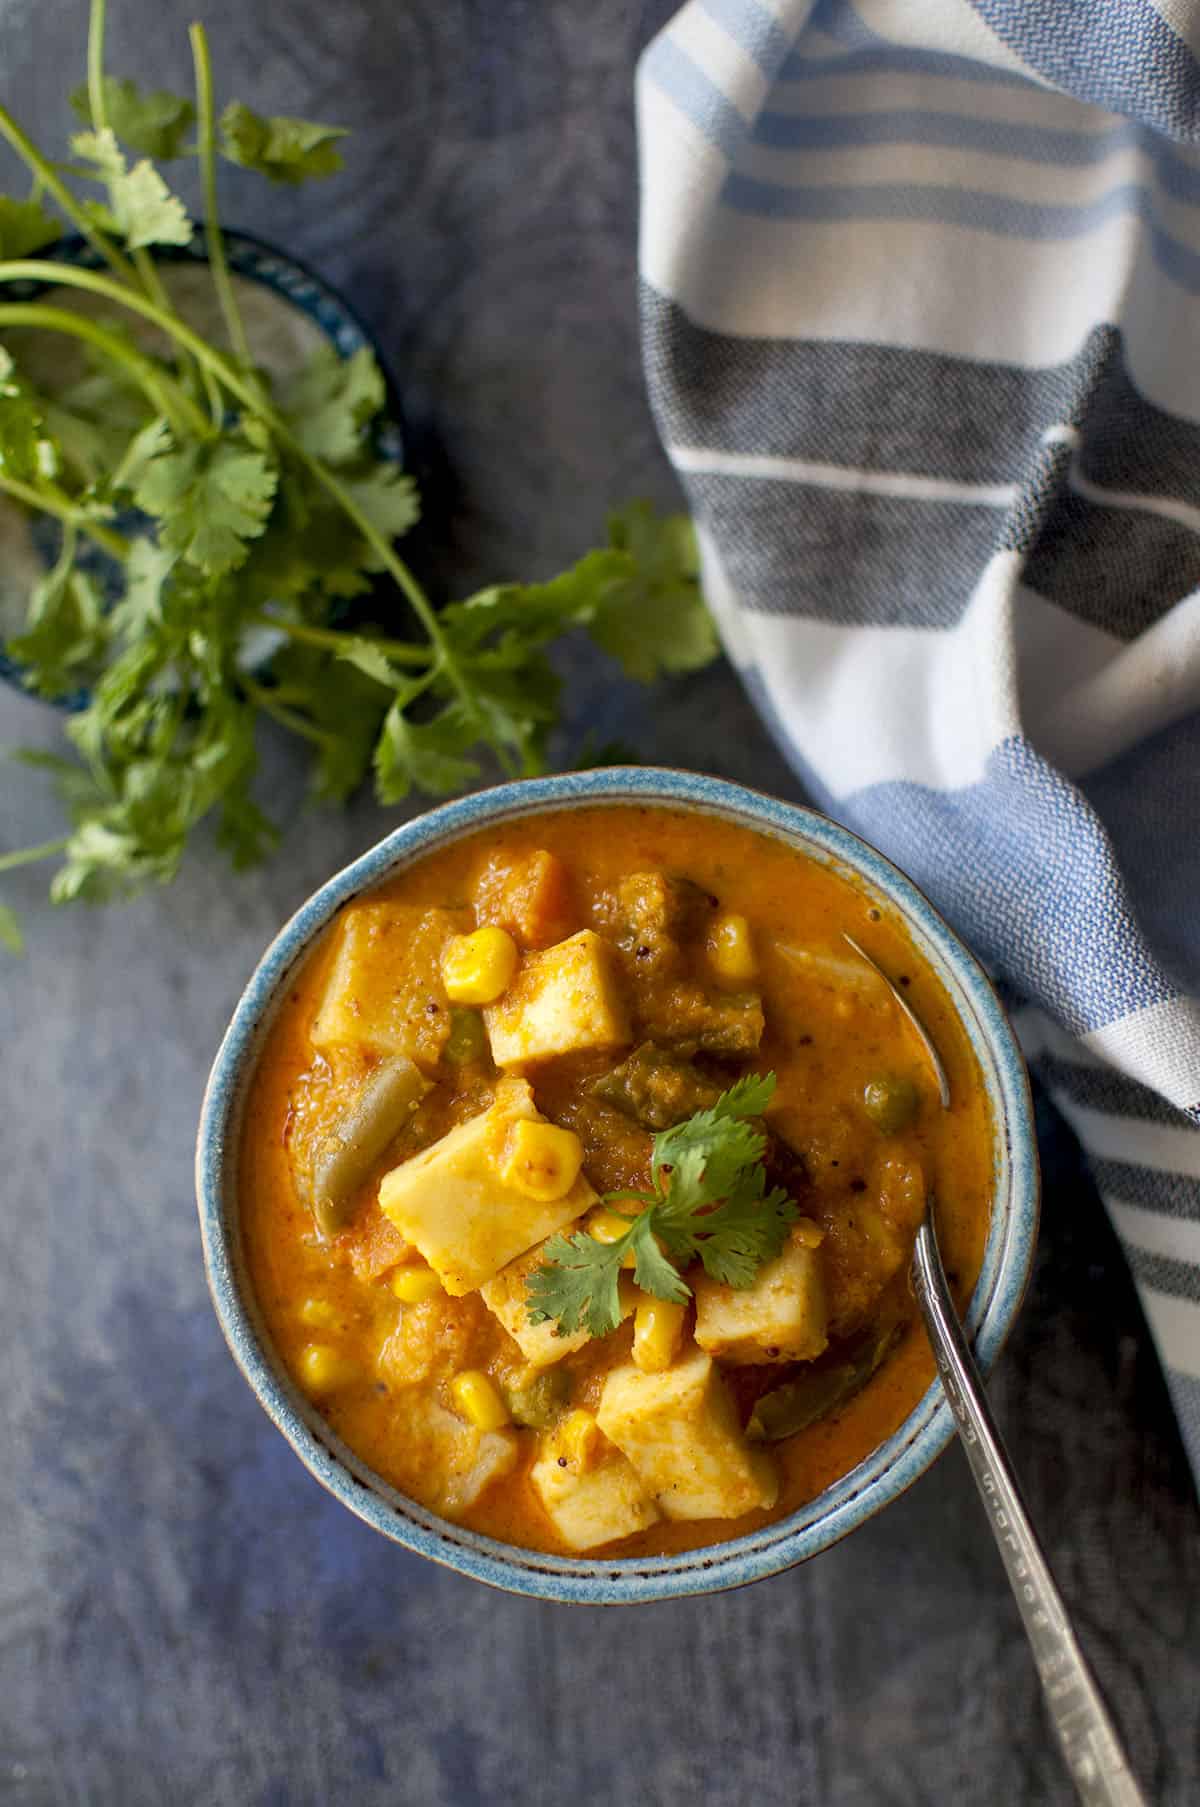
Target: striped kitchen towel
[921,303]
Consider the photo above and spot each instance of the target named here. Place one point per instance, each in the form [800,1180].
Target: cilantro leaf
[330,400]
[65,633]
[429,755]
[153,124]
[147,444]
[746,1229]
[344,710]
[27,451]
[167,738]
[141,607]
[142,208]
[655,620]
[279,147]
[653,1271]
[101,150]
[24,227]
[706,1154]
[388,498]
[147,212]
[710,1204]
[210,499]
[577,1286]
[244,831]
[639,598]
[95,419]
[310,552]
[367,657]
[313,548]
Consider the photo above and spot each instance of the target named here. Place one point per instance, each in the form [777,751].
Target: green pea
[466,1044]
[891,1103]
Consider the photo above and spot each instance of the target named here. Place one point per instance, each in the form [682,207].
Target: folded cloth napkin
[921,303]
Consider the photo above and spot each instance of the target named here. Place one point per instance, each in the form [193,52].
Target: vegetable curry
[580,1174]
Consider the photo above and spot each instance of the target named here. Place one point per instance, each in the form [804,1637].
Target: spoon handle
[1089,1739]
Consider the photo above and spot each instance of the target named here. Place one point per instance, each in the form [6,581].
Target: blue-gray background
[184,1616]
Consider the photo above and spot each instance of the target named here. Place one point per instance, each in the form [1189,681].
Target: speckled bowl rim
[893,1466]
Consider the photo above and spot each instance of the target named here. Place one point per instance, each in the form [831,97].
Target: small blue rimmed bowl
[841,1508]
[288,313]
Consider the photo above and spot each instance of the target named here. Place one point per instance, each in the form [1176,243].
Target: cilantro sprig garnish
[269,510]
[710,1203]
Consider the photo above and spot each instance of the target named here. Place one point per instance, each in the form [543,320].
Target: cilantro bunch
[259,511]
[710,1203]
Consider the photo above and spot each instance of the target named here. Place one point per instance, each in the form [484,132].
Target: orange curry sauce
[826,1036]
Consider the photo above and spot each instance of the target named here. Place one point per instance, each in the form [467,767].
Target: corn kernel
[731,950]
[657,1330]
[325,1370]
[476,968]
[541,1160]
[478,1400]
[413,1285]
[609,1226]
[319,1314]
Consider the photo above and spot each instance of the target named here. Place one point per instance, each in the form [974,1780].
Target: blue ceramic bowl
[842,1507]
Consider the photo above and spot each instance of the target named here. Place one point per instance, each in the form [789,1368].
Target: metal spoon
[1086,1734]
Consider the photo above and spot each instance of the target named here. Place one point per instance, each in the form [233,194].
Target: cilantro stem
[95,65]
[66,557]
[26,856]
[249,394]
[337,639]
[143,263]
[63,509]
[44,173]
[208,175]
[287,718]
[150,279]
[163,390]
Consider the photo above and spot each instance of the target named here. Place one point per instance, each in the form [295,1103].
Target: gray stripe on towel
[1169,1194]
[1104,1089]
[895,408]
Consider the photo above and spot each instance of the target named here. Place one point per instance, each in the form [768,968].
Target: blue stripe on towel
[753,28]
[1044,903]
[683,81]
[937,204]
[958,131]
[1121,55]
[898,60]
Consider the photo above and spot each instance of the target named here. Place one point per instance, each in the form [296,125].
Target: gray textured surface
[184,1616]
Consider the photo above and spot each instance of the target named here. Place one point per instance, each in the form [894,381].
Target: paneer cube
[680,1430]
[590,1492]
[562,1001]
[473,1461]
[505,1297]
[384,991]
[452,1204]
[456,1462]
[782,1317]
